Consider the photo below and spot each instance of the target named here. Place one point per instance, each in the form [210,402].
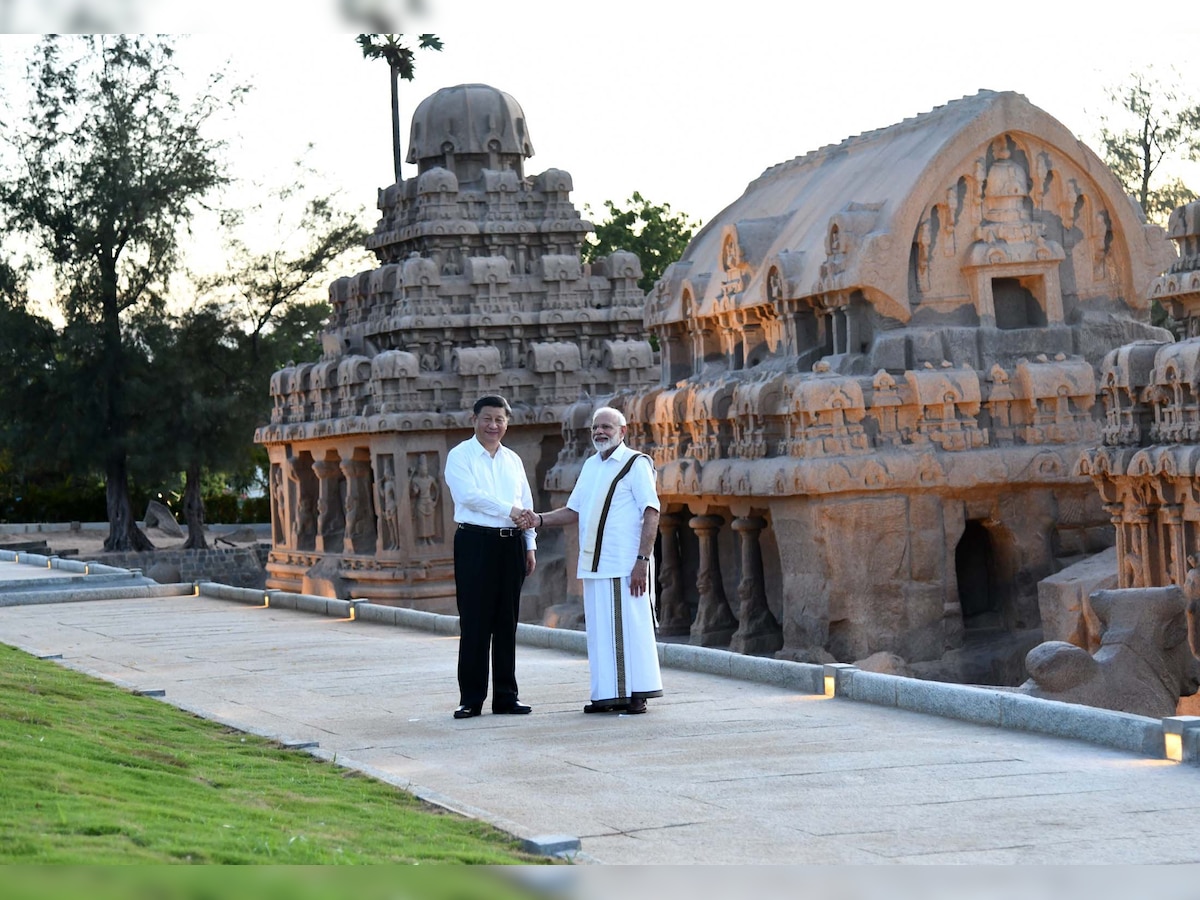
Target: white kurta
[622,650]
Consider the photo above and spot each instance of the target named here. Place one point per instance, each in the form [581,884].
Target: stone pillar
[758,631]
[279,509]
[304,517]
[360,525]
[674,617]
[1174,555]
[714,624]
[1116,512]
[330,517]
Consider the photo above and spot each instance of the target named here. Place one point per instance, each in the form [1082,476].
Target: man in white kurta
[616,505]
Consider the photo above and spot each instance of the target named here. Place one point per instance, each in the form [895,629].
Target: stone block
[890,351]
[805,677]
[566,639]
[551,844]
[697,659]
[374,612]
[961,347]
[158,516]
[1062,599]
[954,701]
[873,687]
[1124,731]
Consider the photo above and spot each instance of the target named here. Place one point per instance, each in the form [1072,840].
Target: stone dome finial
[469,127]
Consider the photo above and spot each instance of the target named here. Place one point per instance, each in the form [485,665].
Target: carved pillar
[714,624]
[674,617]
[279,508]
[758,631]
[1116,512]
[330,516]
[304,515]
[359,523]
[1173,556]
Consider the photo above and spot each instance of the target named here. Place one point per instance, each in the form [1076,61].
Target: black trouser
[488,573]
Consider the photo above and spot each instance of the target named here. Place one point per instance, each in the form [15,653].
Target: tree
[1154,123]
[653,233]
[112,164]
[309,237]
[215,363]
[402,62]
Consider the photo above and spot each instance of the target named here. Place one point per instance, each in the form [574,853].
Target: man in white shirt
[492,557]
[615,502]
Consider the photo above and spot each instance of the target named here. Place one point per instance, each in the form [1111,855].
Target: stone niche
[479,289]
[879,372]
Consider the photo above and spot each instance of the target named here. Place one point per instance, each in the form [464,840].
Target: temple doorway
[975,566]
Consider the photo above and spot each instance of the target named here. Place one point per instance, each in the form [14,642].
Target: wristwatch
[645,558]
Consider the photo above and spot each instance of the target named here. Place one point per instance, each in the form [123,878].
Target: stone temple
[479,289]
[867,384]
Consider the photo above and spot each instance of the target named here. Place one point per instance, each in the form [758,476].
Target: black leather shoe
[594,707]
[467,712]
[513,709]
[636,707]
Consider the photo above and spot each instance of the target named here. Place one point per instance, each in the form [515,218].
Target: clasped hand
[527,519]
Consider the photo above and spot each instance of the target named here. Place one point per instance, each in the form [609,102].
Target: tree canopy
[113,163]
[1152,123]
[653,232]
[402,62]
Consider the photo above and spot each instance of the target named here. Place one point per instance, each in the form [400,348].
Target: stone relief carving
[1145,662]
[389,507]
[426,491]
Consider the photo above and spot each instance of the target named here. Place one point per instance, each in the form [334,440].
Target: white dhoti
[622,650]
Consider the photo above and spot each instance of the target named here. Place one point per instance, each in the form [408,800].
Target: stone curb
[82,593]
[1006,709]
[80,566]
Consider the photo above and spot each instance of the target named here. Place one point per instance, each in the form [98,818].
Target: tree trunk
[193,510]
[123,532]
[396,119]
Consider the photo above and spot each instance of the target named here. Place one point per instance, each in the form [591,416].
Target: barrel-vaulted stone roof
[867,196]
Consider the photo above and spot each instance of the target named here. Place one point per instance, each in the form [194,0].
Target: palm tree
[401,61]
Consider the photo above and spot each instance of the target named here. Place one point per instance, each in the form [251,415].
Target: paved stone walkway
[719,771]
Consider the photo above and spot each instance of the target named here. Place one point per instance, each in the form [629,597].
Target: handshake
[527,518]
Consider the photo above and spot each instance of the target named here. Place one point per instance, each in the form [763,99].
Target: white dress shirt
[485,488]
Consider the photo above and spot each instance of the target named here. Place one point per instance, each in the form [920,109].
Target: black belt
[494,532]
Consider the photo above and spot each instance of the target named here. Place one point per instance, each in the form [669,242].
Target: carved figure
[425,491]
[387,503]
[429,360]
[277,498]
[304,524]
[1145,662]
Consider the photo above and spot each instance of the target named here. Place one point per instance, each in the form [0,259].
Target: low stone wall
[238,566]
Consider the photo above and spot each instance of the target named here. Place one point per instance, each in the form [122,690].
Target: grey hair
[616,412]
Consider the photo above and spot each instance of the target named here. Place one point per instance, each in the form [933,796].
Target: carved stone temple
[881,387]
[880,369]
[479,289]
[1147,466]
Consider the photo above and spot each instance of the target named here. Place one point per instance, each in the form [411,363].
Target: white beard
[602,444]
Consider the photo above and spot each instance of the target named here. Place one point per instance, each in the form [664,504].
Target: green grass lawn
[92,774]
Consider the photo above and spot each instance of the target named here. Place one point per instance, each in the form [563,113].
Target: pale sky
[685,101]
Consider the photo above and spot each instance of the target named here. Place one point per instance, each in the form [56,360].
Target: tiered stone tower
[1148,468]
[479,289]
